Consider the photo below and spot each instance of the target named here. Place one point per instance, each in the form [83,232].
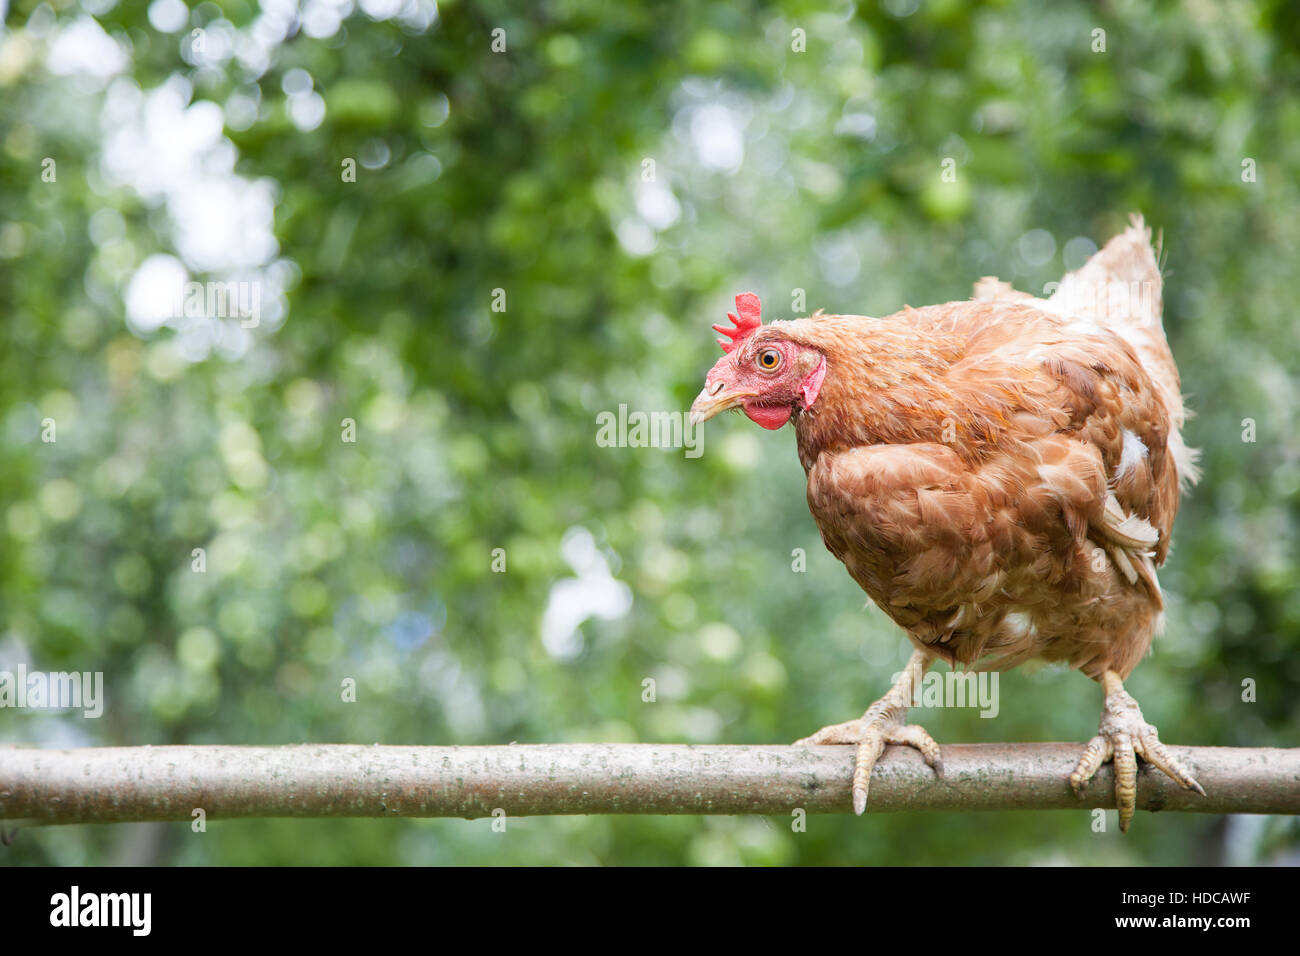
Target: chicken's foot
[1123,736]
[883,724]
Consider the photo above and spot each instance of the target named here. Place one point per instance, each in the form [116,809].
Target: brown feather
[1001,476]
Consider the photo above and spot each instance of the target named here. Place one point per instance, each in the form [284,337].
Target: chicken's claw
[1123,736]
[881,725]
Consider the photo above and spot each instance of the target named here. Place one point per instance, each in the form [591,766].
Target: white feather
[1134,451]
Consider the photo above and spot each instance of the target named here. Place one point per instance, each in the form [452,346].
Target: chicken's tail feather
[1120,286]
[1121,289]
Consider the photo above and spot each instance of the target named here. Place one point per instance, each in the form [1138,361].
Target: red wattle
[770,417]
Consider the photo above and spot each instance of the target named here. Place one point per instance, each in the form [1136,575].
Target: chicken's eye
[769,359]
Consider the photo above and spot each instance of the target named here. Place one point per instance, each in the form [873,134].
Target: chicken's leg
[1124,735]
[883,724]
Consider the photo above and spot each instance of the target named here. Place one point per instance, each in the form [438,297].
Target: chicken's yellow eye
[768,359]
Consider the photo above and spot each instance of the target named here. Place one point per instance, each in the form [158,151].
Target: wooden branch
[121,784]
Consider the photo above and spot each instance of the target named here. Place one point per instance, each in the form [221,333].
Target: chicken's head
[764,373]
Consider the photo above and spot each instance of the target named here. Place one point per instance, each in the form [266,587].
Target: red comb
[750,310]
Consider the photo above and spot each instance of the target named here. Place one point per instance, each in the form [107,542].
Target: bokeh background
[619,171]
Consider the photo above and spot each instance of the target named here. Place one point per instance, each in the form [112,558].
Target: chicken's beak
[714,398]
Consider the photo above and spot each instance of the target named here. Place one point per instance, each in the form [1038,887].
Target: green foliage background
[520,170]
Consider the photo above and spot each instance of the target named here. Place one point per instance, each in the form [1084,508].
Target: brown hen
[1000,475]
